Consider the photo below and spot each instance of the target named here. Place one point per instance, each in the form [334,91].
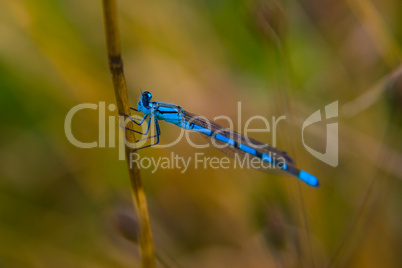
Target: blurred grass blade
[371,96]
[377,29]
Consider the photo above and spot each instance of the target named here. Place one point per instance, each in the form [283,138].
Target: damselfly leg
[139,122]
[158,133]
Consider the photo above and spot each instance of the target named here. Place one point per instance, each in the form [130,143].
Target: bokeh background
[63,206]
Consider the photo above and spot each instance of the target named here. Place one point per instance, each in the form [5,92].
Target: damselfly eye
[146,95]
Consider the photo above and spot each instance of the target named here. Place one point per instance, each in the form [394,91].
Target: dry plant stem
[119,84]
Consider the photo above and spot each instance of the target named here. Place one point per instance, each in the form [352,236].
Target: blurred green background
[63,206]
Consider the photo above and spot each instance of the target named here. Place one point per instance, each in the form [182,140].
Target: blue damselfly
[224,139]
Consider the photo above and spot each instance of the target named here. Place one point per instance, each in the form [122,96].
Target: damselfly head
[146,96]
[144,102]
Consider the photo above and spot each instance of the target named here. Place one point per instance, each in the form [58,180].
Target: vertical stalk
[120,89]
